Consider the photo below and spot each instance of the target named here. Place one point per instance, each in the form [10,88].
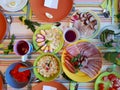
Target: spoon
[106,13]
[111,68]
[24,69]
[9,20]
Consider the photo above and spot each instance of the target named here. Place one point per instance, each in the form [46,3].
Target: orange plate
[64,7]
[55,84]
[1,83]
[3,26]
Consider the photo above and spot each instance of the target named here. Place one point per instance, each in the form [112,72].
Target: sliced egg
[12,4]
[48,15]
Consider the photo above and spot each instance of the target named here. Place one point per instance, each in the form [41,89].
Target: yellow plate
[79,76]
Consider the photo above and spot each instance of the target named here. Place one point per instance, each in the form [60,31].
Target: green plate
[107,83]
[38,75]
[48,27]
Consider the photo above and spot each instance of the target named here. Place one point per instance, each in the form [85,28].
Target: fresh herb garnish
[10,46]
[31,24]
[74,59]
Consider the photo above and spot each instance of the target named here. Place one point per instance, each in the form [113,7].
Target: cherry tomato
[101,86]
[112,77]
[111,88]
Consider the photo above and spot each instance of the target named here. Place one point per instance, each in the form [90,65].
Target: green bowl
[42,78]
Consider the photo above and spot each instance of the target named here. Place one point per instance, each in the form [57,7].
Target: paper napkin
[49,88]
[51,4]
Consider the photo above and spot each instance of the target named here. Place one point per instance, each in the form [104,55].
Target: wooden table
[21,32]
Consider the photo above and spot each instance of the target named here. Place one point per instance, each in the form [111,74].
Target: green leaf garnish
[10,46]
[30,24]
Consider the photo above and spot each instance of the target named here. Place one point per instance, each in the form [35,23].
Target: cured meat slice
[95,64]
[73,50]
[87,71]
[91,51]
[93,71]
[93,67]
[82,46]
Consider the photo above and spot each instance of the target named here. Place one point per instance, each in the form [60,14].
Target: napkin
[103,5]
[51,4]
[49,88]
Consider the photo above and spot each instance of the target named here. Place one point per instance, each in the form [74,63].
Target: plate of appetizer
[108,81]
[81,61]
[13,5]
[49,67]
[49,14]
[87,23]
[109,36]
[48,38]
[52,85]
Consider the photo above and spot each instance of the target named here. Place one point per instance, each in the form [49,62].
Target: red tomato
[101,86]
[111,88]
[112,77]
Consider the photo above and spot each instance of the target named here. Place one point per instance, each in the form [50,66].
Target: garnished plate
[48,38]
[47,14]
[13,5]
[54,84]
[87,23]
[81,61]
[108,81]
[109,36]
[49,67]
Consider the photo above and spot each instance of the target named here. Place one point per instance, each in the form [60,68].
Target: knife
[28,11]
[113,11]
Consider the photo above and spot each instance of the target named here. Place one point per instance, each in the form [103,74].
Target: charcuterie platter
[81,61]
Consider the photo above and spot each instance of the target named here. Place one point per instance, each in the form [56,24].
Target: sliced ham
[87,71]
[82,47]
[95,64]
[91,51]
[93,71]
[93,67]
[73,50]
